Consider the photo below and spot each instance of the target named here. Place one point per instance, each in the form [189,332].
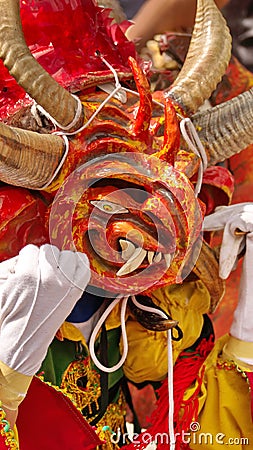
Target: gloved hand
[233,219]
[237,221]
[38,290]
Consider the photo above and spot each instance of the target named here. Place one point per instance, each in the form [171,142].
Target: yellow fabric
[224,407]
[147,354]
[13,386]
[69,331]
[185,303]
[238,350]
[15,431]
[113,320]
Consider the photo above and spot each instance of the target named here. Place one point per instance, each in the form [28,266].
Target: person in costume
[127,181]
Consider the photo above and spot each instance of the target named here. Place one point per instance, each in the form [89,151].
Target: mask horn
[226,129]
[206,61]
[29,159]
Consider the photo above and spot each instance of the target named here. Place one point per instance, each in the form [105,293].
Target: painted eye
[109,207]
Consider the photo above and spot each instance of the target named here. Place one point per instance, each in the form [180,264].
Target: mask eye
[109,207]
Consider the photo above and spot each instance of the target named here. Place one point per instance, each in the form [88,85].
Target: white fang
[133,263]
[128,249]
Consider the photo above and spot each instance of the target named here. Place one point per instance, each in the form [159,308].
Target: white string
[117,83]
[61,133]
[171,391]
[78,113]
[170,370]
[112,94]
[118,87]
[64,129]
[136,93]
[60,164]
[120,95]
[124,335]
[65,134]
[191,137]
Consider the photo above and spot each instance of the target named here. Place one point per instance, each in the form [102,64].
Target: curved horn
[206,60]
[28,159]
[226,129]
[54,99]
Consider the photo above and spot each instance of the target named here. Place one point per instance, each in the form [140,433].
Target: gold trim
[83,397]
[238,350]
[7,432]
[111,423]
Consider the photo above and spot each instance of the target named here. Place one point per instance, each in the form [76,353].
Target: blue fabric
[131,7]
[85,308]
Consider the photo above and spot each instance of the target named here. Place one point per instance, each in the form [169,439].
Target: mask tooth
[157,258]
[150,256]
[168,258]
[128,249]
[133,263]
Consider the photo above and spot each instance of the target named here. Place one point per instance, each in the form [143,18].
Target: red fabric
[2,443]
[217,188]
[64,36]
[48,420]
[22,220]
[250,378]
[186,371]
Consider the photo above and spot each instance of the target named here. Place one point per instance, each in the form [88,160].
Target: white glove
[232,218]
[235,219]
[38,290]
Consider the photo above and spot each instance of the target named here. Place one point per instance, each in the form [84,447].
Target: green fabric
[61,353]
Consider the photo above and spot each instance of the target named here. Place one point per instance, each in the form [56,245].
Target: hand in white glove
[237,221]
[38,289]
